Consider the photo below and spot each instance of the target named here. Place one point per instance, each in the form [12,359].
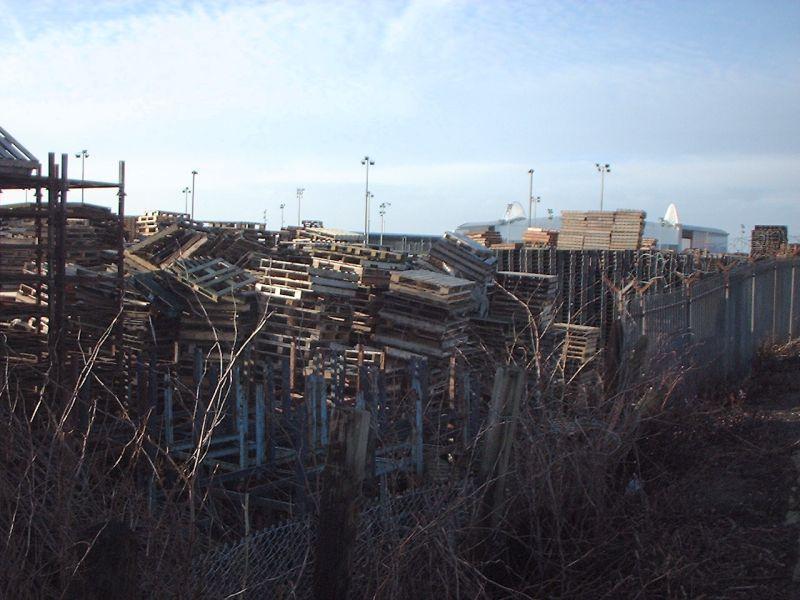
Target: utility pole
[282,207]
[83,155]
[194,174]
[602,169]
[530,198]
[382,212]
[186,191]
[367,162]
[299,201]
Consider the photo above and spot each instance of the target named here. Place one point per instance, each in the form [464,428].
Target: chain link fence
[715,326]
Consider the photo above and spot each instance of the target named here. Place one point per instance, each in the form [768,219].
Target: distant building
[669,231]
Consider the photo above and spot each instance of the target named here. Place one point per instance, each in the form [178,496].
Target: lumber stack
[540,238]
[161,250]
[153,222]
[523,298]
[768,240]
[601,230]
[460,257]
[573,351]
[488,237]
[425,312]
[649,244]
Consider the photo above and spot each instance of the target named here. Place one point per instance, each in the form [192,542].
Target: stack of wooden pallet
[649,244]
[523,298]
[540,238]
[768,240]
[573,351]
[153,222]
[372,267]
[459,256]
[488,237]
[601,230]
[425,312]
[162,249]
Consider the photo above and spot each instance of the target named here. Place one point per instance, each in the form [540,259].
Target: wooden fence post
[341,488]
[509,387]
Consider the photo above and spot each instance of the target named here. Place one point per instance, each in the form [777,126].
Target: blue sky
[696,103]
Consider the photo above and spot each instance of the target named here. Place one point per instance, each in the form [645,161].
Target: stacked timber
[524,298]
[540,238]
[162,249]
[425,312]
[488,237]
[601,230]
[372,267]
[307,305]
[90,232]
[461,257]
[649,244]
[153,222]
[573,351]
[768,240]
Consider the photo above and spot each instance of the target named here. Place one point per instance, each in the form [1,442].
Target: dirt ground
[723,514]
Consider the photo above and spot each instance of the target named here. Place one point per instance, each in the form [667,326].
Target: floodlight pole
[603,169]
[83,155]
[383,206]
[194,174]
[299,202]
[367,162]
[530,198]
[186,191]
[282,207]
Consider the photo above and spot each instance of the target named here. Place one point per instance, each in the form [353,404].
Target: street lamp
[186,191]
[602,169]
[83,155]
[299,200]
[282,207]
[367,162]
[194,174]
[382,213]
[530,198]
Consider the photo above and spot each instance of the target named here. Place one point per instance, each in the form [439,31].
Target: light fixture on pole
[282,207]
[299,201]
[602,169]
[382,213]
[530,197]
[186,191]
[265,218]
[194,174]
[367,162]
[83,155]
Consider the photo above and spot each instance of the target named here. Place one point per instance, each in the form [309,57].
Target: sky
[696,103]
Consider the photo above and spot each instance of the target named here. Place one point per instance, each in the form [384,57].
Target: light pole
[282,207]
[83,155]
[530,198]
[367,162]
[382,213]
[186,191]
[299,201]
[603,169]
[194,174]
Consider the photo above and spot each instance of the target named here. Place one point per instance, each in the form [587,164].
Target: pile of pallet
[162,249]
[601,230]
[540,238]
[573,352]
[649,244]
[524,298]
[425,312]
[488,237]
[459,256]
[768,240]
[153,222]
